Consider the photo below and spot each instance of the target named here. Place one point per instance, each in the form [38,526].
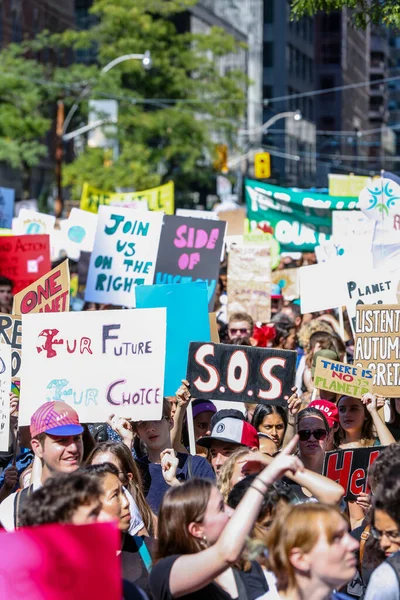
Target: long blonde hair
[225,477]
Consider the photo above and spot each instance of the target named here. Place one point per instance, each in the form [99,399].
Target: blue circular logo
[76,233]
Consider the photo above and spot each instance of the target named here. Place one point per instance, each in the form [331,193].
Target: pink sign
[61,561]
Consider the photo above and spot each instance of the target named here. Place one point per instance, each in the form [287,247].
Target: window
[16,26]
[268,11]
[268,54]
[268,92]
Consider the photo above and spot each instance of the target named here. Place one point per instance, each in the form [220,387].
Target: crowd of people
[250,514]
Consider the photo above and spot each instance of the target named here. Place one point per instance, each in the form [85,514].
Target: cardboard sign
[99,362]
[24,258]
[58,561]
[337,377]
[234,220]
[124,255]
[48,294]
[11,334]
[249,281]
[187,320]
[30,222]
[190,250]
[288,281]
[5,388]
[350,468]
[7,197]
[377,346]
[241,373]
[197,214]
[160,198]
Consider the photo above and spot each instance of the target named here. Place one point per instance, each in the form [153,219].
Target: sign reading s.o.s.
[241,373]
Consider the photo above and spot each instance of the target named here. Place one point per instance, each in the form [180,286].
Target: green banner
[300,220]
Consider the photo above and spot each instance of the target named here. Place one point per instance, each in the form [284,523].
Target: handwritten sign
[7,197]
[249,281]
[241,373]
[58,561]
[11,334]
[288,281]
[350,468]
[99,362]
[30,222]
[50,293]
[160,198]
[5,388]
[190,250]
[337,377]
[24,258]
[377,346]
[124,255]
[80,229]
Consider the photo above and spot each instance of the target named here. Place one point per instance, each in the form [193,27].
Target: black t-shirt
[159,584]
[254,581]
[133,567]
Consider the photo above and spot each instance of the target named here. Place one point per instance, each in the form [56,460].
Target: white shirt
[136,520]
[7,509]
[383,584]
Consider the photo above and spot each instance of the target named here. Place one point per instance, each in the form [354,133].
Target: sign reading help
[241,373]
[99,362]
[48,294]
[24,258]
[190,250]
[350,469]
[337,377]
[11,334]
[124,255]
[5,388]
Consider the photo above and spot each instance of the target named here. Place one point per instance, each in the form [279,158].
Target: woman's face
[309,428]
[351,414]
[201,424]
[334,563]
[387,531]
[243,468]
[273,426]
[290,342]
[115,504]
[216,516]
[108,457]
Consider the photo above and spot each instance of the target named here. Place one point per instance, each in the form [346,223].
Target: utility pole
[59,203]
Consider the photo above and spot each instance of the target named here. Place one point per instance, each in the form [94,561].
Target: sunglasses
[243,330]
[305,434]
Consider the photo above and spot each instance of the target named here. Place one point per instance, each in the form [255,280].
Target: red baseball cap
[329,409]
[232,430]
[55,418]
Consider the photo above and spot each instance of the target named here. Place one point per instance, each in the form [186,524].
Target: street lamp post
[62,124]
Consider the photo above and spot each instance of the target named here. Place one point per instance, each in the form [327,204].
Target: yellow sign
[50,293]
[262,165]
[158,198]
[347,185]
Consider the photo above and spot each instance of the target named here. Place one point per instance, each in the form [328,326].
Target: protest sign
[337,377]
[187,319]
[347,185]
[50,293]
[158,199]
[124,255]
[80,229]
[234,220]
[377,346]
[288,281]
[214,334]
[60,561]
[249,281]
[190,250]
[350,469]
[11,334]
[100,362]
[30,222]
[241,373]
[24,258]
[197,214]
[5,388]
[7,197]
[357,247]
[349,223]
[132,204]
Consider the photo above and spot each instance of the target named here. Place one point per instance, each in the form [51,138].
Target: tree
[169,118]
[380,12]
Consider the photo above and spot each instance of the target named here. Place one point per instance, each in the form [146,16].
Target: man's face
[60,454]
[5,296]
[87,513]
[220,452]
[240,329]
[155,434]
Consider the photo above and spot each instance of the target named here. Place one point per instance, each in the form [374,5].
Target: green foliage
[380,12]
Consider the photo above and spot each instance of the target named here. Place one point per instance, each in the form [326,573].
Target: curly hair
[388,493]
[386,459]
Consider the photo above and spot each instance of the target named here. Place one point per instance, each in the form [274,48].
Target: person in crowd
[240,325]
[384,583]
[156,435]
[303,371]
[330,410]
[267,445]
[56,440]
[230,431]
[271,420]
[285,335]
[293,311]
[311,552]
[200,536]
[143,521]
[6,294]
[276,299]
[313,431]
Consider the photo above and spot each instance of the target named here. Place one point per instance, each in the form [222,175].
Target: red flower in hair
[264,334]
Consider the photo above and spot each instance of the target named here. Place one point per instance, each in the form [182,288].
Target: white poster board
[80,229]
[100,362]
[124,254]
[5,388]
[30,222]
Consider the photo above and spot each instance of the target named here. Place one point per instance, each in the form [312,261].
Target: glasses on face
[305,434]
[141,424]
[392,536]
[235,331]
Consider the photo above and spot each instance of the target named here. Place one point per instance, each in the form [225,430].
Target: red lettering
[340,475]
[357,482]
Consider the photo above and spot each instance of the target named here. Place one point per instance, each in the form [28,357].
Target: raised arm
[372,404]
[182,399]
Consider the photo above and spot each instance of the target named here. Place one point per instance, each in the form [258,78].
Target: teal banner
[300,220]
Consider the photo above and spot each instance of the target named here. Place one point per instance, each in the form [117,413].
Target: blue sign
[7,197]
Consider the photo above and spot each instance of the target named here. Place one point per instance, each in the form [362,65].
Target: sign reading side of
[337,377]
[241,373]
[124,255]
[99,362]
[24,258]
[350,468]
[377,345]
[11,334]
[48,294]
[5,388]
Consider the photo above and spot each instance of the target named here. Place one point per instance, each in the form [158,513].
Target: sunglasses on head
[305,434]
[243,330]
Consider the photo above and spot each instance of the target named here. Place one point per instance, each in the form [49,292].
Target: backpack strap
[20,497]
[363,540]
[144,552]
[241,588]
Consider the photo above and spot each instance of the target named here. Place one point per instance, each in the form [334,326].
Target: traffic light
[262,165]
[221,162]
